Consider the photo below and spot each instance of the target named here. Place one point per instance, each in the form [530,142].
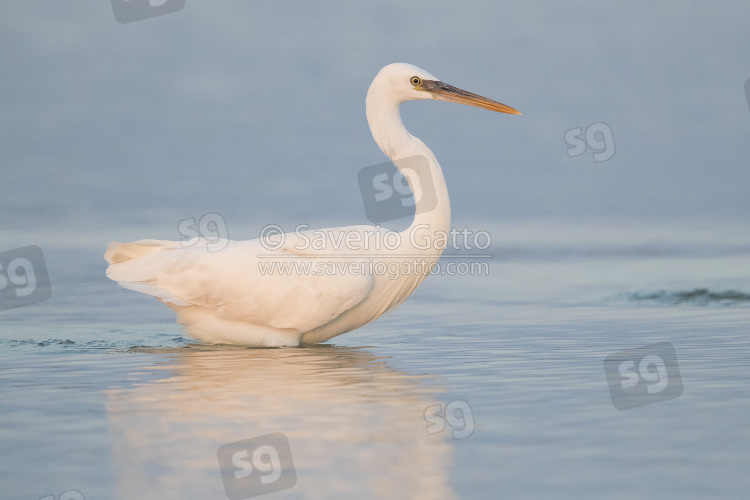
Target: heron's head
[405,82]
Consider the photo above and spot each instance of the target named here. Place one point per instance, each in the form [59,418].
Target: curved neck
[433,210]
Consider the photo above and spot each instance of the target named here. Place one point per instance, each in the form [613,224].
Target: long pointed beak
[444,92]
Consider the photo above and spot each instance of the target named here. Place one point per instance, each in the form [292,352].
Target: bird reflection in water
[355,424]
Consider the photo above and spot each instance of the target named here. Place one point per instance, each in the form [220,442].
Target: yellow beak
[444,92]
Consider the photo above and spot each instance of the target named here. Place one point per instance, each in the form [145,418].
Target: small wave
[37,343]
[697,296]
[91,345]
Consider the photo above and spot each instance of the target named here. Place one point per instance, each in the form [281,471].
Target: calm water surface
[102,394]
[255,111]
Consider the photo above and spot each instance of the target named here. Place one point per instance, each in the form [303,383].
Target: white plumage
[225,297]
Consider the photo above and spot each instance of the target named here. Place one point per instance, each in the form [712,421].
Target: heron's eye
[415,80]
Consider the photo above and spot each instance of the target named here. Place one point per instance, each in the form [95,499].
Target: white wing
[291,294]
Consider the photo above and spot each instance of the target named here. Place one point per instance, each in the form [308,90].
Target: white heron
[228,296]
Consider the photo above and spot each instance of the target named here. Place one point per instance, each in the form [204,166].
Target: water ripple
[697,296]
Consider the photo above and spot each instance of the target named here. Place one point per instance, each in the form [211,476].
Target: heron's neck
[433,213]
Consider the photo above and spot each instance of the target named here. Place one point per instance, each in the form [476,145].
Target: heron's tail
[123,252]
[130,270]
